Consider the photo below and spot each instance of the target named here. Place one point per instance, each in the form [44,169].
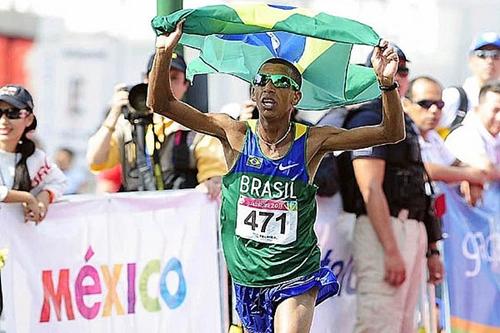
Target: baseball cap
[401,55]
[177,63]
[484,39]
[17,96]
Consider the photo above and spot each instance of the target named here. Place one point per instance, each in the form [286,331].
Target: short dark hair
[295,73]
[409,93]
[493,86]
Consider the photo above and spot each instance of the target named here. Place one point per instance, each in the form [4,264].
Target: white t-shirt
[472,144]
[451,98]
[433,149]
[44,174]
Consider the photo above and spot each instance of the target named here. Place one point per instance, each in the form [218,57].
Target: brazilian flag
[236,39]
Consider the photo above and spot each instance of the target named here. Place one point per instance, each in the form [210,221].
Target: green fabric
[329,80]
[256,264]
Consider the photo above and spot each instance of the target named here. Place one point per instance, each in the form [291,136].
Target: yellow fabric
[210,159]
[113,158]
[300,130]
[162,128]
[263,15]
[252,123]
[443,132]
[3,257]
[313,50]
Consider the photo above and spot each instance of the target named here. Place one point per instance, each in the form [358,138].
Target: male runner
[268,197]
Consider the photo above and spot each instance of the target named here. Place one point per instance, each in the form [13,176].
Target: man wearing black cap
[167,143]
[385,187]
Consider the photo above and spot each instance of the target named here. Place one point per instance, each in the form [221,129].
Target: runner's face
[272,102]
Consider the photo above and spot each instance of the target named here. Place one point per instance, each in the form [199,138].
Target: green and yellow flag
[236,39]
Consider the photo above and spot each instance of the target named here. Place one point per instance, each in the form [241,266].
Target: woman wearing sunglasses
[26,176]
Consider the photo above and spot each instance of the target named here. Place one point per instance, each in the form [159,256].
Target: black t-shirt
[404,178]
[367,114]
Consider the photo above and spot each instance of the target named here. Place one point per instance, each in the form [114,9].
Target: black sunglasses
[13,113]
[427,103]
[483,54]
[278,80]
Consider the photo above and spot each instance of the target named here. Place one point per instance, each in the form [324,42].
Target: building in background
[71,75]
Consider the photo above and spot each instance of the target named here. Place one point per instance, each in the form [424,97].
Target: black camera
[137,96]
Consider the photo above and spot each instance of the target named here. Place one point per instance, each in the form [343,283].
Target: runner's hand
[169,41]
[385,63]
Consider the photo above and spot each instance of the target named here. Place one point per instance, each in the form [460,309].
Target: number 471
[251,220]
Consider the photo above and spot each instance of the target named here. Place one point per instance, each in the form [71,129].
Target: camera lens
[137,98]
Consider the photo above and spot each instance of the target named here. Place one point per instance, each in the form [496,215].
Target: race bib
[267,221]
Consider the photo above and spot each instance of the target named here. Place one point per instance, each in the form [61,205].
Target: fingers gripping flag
[236,39]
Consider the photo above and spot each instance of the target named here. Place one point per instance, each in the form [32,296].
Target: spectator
[385,187]
[484,62]
[75,178]
[424,106]
[169,145]
[477,141]
[26,175]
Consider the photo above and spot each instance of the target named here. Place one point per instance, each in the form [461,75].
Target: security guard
[385,187]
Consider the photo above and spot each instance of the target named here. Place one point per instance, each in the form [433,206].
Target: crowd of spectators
[452,137]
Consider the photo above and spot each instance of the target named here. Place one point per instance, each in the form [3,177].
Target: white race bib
[266,220]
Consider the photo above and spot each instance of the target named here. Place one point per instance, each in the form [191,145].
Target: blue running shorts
[256,306]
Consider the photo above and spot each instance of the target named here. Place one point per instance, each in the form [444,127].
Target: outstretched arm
[391,130]
[162,100]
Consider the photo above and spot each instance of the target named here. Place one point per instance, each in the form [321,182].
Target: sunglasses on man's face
[403,71]
[13,113]
[483,54]
[427,103]
[278,80]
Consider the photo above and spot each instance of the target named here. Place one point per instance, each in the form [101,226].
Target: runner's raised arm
[161,99]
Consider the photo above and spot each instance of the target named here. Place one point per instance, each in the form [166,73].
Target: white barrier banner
[335,233]
[143,262]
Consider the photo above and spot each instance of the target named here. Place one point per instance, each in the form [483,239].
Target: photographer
[154,152]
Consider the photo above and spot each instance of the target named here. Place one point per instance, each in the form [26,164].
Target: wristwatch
[389,88]
[432,252]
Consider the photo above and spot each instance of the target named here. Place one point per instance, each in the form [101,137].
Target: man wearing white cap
[484,63]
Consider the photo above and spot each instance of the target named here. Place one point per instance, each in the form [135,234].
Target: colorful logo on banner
[102,282]
[472,259]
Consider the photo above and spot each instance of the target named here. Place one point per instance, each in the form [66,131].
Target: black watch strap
[389,88]
[432,252]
